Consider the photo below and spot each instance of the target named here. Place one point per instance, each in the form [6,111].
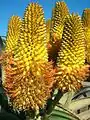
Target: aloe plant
[32,87]
[71,61]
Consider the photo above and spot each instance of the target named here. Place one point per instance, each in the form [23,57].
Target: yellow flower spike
[28,74]
[33,37]
[86,24]
[48,29]
[58,17]
[14,27]
[57,24]
[86,17]
[72,55]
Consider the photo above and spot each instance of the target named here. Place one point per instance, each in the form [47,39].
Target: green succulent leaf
[80,103]
[81,92]
[85,115]
[66,98]
[8,116]
[61,115]
[3,99]
[87,84]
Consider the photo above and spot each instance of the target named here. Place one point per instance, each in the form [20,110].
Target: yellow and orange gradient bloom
[29,77]
[72,70]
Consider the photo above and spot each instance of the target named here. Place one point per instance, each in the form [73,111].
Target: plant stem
[54,102]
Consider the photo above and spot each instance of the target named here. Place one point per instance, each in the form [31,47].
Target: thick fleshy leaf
[3,99]
[85,115]
[8,116]
[62,115]
[66,98]
[83,91]
[86,83]
[80,103]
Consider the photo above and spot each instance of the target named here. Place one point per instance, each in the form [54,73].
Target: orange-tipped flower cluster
[69,78]
[29,91]
[71,61]
[29,77]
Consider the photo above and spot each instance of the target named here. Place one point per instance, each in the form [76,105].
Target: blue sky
[17,7]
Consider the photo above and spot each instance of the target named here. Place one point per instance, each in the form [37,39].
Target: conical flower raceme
[86,24]
[58,17]
[32,45]
[28,74]
[71,68]
[13,34]
[48,29]
[86,18]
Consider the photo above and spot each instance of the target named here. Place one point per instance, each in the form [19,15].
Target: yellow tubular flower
[86,24]
[71,68]
[58,17]
[14,27]
[28,74]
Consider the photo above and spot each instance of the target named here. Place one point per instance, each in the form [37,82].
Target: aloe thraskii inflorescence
[28,74]
[71,68]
